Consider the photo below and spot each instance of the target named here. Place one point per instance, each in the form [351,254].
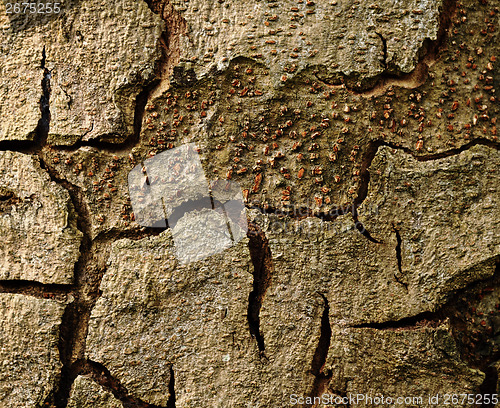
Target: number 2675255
[33,8]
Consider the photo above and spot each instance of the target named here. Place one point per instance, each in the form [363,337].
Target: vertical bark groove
[322,378]
[263,268]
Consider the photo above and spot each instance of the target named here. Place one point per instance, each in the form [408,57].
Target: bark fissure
[371,152]
[360,227]
[176,26]
[36,289]
[322,378]
[304,212]
[489,385]
[399,277]
[171,389]
[42,130]
[429,53]
[87,276]
[261,256]
[332,215]
[425,319]
[135,234]
[447,153]
[364,177]
[8,199]
[101,375]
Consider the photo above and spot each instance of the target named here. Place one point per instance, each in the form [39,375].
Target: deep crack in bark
[304,212]
[260,253]
[135,234]
[489,385]
[39,290]
[332,215]
[88,273]
[171,389]
[364,177]
[42,130]
[399,258]
[8,199]
[360,227]
[424,319]
[480,141]
[322,378]
[176,26]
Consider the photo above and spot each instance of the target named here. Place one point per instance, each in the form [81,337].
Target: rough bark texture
[38,226]
[29,355]
[363,136]
[86,393]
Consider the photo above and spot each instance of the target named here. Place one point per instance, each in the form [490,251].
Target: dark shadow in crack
[39,290]
[322,378]
[260,253]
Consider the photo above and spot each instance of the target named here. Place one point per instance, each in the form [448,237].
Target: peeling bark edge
[428,54]
[41,131]
[261,256]
[140,106]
